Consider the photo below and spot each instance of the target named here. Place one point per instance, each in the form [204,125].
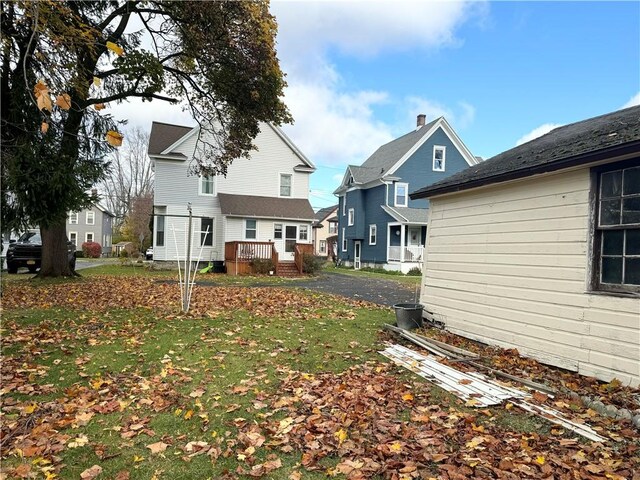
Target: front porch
[405,246]
[241,257]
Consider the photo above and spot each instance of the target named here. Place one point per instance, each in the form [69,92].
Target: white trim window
[206,232]
[90,218]
[88,237]
[73,218]
[277,231]
[73,238]
[250,229]
[344,206]
[400,194]
[373,234]
[160,231]
[303,233]
[323,246]
[286,184]
[206,186]
[344,239]
[333,227]
[352,217]
[439,157]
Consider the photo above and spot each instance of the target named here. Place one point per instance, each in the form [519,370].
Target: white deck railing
[411,254]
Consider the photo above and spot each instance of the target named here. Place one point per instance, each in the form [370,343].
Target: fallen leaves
[91,473]
[157,447]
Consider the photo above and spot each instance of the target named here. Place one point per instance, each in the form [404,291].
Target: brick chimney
[421,120]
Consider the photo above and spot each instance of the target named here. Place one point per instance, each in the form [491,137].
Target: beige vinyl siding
[262,171]
[508,265]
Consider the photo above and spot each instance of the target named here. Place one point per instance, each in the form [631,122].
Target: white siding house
[269,189]
[539,249]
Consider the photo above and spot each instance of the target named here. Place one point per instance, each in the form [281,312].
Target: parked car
[149,254]
[27,252]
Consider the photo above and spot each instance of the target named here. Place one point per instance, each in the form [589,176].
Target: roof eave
[569,162]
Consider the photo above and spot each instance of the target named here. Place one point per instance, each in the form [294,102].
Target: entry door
[356,254]
[290,239]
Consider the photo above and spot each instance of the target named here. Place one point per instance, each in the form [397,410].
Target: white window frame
[352,217]
[92,214]
[344,239]
[202,179]
[406,194]
[322,248]
[282,175]
[76,240]
[275,225]
[73,218]
[444,157]
[160,230]
[333,227]
[373,234]
[305,229]
[86,237]
[211,232]
[344,206]
[245,229]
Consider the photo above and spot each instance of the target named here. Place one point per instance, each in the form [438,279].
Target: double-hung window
[617,228]
[206,232]
[277,231]
[160,231]
[401,194]
[439,157]
[323,246]
[285,185]
[373,233]
[333,227]
[344,239]
[73,218]
[352,216]
[91,218]
[207,186]
[250,229]
[303,233]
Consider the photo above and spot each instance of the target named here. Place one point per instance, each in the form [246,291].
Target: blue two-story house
[378,224]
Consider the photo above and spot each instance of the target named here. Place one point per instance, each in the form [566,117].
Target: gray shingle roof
[387,155]
[265,207]
[408,215]
[324,213]
[579,143]
[163,135]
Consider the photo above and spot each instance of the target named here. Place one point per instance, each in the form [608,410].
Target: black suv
[27,252]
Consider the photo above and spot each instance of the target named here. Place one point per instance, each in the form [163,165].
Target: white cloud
[633,101]
[460,117]
[537,132]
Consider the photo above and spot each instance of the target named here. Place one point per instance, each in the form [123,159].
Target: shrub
[262,266]
[312,264]
[415,272]
[91,250]
[124,253]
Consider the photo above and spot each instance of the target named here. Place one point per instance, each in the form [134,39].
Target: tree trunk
[55,261]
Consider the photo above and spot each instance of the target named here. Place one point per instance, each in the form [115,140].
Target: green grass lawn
[89,380]
[404,279]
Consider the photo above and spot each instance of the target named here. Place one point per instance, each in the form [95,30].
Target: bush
[415,272]
[91,250]
[312,264]
[262,266]
[381,270]
[124,253]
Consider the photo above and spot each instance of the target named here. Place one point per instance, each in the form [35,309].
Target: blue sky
[500,72]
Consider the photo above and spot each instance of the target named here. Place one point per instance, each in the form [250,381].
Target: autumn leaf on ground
[341,436]
[91,473]
[83,418]
[197,393]
[80,441]
[157,447]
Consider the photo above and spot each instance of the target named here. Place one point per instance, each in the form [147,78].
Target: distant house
[325,226]
[538,248]
[93,224]
[262,201]
[378,224]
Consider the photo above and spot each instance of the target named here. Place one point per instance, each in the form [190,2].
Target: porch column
[403,229]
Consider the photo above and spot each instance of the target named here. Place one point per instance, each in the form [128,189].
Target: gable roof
[390,156]
[163,135]
[579,143]
[408,214]
[323,213]
[265,207]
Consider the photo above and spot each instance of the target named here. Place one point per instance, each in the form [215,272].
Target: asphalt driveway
[380,291]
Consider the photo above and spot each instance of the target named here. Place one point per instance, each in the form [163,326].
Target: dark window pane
[612,242]
[631,181]
[610,212]
[633,242]
[610,184]
[206,238]
[631,210]
[612,270]
[632,271]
